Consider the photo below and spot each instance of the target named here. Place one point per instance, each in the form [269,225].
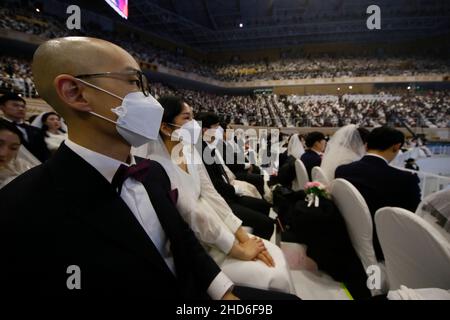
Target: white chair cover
[435,209]
[405,293]
[301,176]
[416,255]
[359,224]
[317,174]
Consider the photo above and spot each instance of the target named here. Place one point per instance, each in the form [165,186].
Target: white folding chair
[301,176]
[317,174]
[416,255]
[359,224]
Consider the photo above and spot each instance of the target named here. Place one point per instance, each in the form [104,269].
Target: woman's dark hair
[44,119]
[172,105]
[208,119]
[224,125]
[313,137]
[5,125]
[364,134]
[382,138]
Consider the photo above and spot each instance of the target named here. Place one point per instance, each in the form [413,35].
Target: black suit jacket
[35,142]
[311,159]
[65,212]
[381,185]
[286,173]
[234,158]
[217,174]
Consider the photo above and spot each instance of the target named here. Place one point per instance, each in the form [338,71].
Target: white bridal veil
[345,146]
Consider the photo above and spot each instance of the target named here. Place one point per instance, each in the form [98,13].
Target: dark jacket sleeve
[36,144]
[340,172]
[286,174]
[411,192]
[225,189]
[230,156]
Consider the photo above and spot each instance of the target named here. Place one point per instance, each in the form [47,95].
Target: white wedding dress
[215,225]
[24,161]
[53,141]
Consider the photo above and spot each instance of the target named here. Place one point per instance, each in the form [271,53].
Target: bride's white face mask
[139,116]
[188,133]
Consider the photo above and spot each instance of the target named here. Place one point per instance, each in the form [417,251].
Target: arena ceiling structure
[219,25]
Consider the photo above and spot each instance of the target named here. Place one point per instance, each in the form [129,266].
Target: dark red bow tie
[137,171]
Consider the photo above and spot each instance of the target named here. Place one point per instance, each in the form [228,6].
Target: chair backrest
[317,174]
[416,255]
[356,214]
[301,176]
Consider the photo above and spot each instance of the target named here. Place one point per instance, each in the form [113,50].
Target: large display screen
[120,6]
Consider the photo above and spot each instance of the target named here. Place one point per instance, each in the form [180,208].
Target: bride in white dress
[345,146]
[53,127]
[246,260]
[15,158]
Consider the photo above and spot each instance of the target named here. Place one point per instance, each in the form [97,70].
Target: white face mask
[139,116]
[188,132]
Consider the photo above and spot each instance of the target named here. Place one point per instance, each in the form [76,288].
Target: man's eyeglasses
[139,78]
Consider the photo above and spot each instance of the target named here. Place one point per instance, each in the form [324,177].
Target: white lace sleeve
[216,201]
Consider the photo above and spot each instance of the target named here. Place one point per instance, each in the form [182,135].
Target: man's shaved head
[86,103]
[73,56]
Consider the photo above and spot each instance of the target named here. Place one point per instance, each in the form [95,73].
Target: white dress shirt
[135,196]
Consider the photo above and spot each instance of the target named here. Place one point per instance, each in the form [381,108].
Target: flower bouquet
[314,190]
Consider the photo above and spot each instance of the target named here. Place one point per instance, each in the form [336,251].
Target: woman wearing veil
[14,158]
[295,147]
[348,144]
[53,127]
[245,259]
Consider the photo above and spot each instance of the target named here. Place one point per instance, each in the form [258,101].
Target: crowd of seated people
[330,67]
[291,67]
[16,76]
[426,109]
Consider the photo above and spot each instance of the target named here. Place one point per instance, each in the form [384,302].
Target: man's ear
[164,128]
[70,92]
[396,147]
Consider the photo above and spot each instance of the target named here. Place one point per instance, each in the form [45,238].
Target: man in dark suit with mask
[233,156]
[380,184]
[14,111]
[252,211]
[94,221]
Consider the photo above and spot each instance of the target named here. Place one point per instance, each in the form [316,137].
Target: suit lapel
[90,198]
